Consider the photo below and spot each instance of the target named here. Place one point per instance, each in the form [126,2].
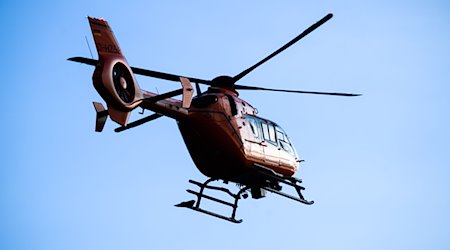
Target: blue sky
[376,165]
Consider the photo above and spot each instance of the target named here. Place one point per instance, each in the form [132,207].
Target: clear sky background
[376,165]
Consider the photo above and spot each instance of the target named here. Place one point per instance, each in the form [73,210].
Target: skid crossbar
[195,204]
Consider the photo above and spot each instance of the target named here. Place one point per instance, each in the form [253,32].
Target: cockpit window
[280,135]
[285,144]
[265,129]
[269,132]
[272,136]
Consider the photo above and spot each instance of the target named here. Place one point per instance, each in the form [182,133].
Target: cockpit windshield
[284,142]
[270,132]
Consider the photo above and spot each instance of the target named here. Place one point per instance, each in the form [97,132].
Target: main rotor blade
[167,76]
[243,87]
[84,60]
[144,72]
[287,45]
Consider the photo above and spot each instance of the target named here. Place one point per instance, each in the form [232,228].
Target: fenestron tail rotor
[123,83]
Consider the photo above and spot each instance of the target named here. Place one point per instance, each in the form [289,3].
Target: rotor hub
[225,82]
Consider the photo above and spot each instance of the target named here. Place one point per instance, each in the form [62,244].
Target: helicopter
[225,137]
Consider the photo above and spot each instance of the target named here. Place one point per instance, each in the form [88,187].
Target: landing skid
[271,183]
[195,204]
[288,180]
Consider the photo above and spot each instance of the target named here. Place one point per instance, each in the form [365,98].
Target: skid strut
[195,204]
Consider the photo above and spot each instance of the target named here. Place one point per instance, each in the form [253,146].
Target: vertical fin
[102,114]
[104,38]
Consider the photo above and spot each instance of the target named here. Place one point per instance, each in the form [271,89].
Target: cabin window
[254,127]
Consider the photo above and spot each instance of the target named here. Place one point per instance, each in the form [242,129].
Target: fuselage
[224,136]
[226,139]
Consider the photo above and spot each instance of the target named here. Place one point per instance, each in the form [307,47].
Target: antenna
[90,51]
